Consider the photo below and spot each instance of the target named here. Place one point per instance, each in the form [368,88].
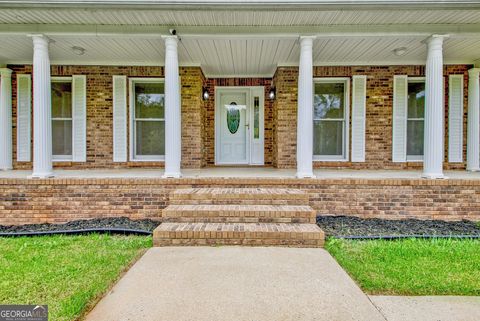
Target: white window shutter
[24,111]
[455,119]
[359,99]
[399,136]
[79,115]
[119,118]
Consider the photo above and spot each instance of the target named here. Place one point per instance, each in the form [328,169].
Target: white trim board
[346,130]
[131,111]
[241,32]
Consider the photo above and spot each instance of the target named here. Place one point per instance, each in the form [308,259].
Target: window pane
[62,137]
[256,117]
[416,99]
[415,137]
[149,100]
[150,137]
[328,138]
[328,101]
[61,100]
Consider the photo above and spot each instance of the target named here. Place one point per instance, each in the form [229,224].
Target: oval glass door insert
[233,118]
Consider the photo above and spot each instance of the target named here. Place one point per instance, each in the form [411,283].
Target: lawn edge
[93,303]
[392,292]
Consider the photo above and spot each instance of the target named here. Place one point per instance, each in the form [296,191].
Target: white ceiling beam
[242,32]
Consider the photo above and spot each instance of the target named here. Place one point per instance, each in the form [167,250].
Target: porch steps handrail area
[239,216]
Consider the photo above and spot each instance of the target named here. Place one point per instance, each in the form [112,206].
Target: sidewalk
[259,284]
[235,283]
[428,308]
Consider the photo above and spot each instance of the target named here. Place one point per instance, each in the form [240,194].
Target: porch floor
[240,172]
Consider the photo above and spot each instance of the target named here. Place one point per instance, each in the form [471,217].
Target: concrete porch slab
[239,172]
[235,283]
[428,308]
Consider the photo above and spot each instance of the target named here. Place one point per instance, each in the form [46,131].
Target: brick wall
[193,110]
[198,129]
[100,109]
[59,200]
[378,136]
[209,116]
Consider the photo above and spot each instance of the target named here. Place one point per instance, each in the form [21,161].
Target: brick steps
[239,213]
[250,196]
[239,216]
[263,234]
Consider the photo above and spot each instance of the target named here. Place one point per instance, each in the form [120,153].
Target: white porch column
[434,109]
[42,109]
[5,119]
[473,128]
[173,115]
[305,110]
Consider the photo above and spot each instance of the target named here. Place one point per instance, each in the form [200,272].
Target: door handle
[247,125]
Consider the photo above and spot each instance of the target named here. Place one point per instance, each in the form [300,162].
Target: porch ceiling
[210,16]
[237,57]
[239,38]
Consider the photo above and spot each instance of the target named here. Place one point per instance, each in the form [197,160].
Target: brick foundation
[25,201]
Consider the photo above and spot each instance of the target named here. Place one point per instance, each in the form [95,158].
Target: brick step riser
[196,219]
[244,242]
[240,196]
[214,201]
[238,214]
[238,235]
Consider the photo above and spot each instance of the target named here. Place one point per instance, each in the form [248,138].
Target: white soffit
[238,57]
[211,18]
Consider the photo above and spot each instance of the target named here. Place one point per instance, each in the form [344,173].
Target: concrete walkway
[259,284]
[235,283]
[428,308]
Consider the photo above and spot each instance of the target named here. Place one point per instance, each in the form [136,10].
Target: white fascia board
[242,4]
[400,62]
[98,63]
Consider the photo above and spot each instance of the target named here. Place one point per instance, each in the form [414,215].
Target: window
[148,119]
[330,115]
[256,117]
[415,118]
[62,119]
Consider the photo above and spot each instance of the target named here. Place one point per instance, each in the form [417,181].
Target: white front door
[236,113]
[233,137]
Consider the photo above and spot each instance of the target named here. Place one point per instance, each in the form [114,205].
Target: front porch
[144,193]
[230,174]
[360,96]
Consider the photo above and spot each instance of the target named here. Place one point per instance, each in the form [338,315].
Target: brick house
[382,87]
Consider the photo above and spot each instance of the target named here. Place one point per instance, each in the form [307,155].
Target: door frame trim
[244,89]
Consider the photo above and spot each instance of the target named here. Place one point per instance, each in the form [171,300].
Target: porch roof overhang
[247,41]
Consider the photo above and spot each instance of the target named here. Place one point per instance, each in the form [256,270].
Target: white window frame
[413,158]
[346,119]
[64,158]
[132,132]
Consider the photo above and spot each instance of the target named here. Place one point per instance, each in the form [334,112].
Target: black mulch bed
[354,226]
[100,223]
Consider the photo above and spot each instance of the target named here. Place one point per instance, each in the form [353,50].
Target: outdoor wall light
[272,93]
[205,94]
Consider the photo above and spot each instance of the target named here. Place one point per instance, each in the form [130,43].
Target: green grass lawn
[411,266]
[69,273]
